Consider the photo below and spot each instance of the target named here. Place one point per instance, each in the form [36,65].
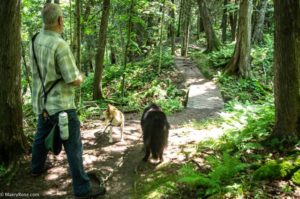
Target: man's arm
[67,65]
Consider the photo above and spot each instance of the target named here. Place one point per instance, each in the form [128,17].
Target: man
[56,64]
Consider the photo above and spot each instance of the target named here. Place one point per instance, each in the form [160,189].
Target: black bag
[53,141]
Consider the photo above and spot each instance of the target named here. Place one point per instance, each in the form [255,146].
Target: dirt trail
[117,162]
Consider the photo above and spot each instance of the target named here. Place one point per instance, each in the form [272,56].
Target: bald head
[52,16]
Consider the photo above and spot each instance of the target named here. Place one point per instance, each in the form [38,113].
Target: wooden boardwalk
[203,93]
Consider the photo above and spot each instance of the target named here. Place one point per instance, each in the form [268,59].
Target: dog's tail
[159,128]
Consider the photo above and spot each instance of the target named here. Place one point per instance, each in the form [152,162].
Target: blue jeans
[72,146]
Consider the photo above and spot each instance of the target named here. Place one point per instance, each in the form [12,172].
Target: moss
[297,162]
[274,170]
[268,171]
[286,168]
[296,177]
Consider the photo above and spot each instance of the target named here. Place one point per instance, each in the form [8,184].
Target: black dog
[155,128]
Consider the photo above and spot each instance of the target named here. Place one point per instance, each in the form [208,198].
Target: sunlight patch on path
[203,94]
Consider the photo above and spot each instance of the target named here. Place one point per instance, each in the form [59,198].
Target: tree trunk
[127,46]
[112,55]
[198,24]
[233,23]
[257,35]
[179,19]
[212,41]
[201,24]
[55,1]
[224,22]
[239,63]
[27,70]
[150,42]
[78,34]
[172,29]
[186,18]
[71,37]
[12,140]
[161,34]
[287,70]
[98,93]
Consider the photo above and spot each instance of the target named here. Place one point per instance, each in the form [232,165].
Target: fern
[195,179]
[224,169]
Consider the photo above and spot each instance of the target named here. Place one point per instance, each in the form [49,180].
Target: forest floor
[120,162]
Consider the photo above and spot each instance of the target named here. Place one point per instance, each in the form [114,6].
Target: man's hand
[78,81]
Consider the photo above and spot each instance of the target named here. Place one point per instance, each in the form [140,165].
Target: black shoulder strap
[38,68]
[39,72]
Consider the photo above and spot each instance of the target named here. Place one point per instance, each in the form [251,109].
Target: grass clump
[155,183]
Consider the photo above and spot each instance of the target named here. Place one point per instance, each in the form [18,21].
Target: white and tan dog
[113,117]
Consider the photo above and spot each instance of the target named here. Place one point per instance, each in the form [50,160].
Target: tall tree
[150,30]
[78,33]
[12,140]
[287,69]
[98,93]
[259,20]
[179,18]
[224,21]
[55,1]
[161,34]
[186,19]
[172,27]
[129,29]
[233,22]
[211,38]
[239,63]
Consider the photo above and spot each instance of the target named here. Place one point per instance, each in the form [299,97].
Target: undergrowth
[244,161]
[142,85]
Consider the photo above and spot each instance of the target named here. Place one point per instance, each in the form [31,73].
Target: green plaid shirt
[56,61]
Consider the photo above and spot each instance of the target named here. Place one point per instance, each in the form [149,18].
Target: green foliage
[237,152]
[2,170]
[274,170]
[245,126]
[30,121]
[143,85]
[242,90]
[87,87]
[87,112]
[232,7]
[296,178]
[270,170]
[221,57]
[202,61]
[262,61]
[170,105]
[223,171]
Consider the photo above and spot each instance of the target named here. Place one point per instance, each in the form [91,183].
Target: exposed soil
[117,163]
